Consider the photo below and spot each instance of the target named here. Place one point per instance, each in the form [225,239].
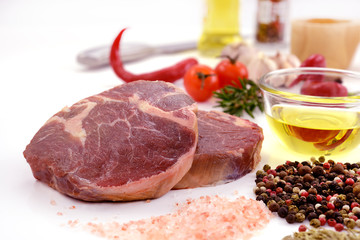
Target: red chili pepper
[169,74]
[315,60]
[323,89]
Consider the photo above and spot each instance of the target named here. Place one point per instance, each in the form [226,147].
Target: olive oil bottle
[221,26]
[316,131]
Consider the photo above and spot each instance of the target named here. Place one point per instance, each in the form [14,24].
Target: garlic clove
[259,65]
[293,60]
[243,52]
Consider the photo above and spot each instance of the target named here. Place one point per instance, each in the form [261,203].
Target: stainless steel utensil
[99,56]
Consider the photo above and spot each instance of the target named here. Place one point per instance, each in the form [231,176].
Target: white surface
[39,76]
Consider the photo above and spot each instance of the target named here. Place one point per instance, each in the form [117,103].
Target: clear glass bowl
[313,125]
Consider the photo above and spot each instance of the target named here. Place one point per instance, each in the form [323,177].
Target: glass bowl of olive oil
[327,122]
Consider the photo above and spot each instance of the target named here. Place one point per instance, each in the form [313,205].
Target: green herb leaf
[236,101]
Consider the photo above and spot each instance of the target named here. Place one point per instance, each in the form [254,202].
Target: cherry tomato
[229,71]
[200,82]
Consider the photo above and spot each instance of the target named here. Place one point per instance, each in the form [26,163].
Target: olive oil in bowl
[315,131]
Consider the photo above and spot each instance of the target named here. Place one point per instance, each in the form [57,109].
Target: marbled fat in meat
[228,148]
[135,141]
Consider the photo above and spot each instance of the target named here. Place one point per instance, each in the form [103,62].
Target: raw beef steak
[135,141]
[228,148]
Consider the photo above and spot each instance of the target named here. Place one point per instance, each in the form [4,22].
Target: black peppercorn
[283,212]
[304,170]
[337,168]
[274,207]
[290,218]
[339,219]
[311,198]
[270,185]
[318,171]
[329,214]
[282,174]
[260,198]
[338,203]
[312,215]
[288,188]
[323,208]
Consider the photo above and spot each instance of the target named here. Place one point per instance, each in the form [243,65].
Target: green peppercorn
[321,159]
[293,208]
[260,173]
[315,223]
[295,197]
[299,217]
[350,223]
[266,167]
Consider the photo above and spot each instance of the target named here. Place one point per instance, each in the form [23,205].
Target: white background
[39,75]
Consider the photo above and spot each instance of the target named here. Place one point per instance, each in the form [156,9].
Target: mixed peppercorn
[323,192]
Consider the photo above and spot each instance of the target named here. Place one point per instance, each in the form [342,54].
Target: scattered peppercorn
[315,223]
[290,218]
[283,212]
[318,190]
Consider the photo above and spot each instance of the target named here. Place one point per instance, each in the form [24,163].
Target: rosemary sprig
[235,100]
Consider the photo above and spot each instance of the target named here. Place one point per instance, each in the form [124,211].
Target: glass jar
[271,20]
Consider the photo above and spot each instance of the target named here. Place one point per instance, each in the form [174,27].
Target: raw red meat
[228,148]
[132,142]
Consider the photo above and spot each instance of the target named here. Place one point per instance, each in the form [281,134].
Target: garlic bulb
[285,61]
[242,52]
[259,65]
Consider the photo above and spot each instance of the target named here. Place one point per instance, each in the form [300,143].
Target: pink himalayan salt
[208,217]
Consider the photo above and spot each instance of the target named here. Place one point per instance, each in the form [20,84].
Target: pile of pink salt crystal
[207,217]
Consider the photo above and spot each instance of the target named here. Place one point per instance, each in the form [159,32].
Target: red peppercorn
[288,202]
[326,165]
[354,204]
[302,228]
[272,171]
[322,221]
[279,190]
[331,222]
[331,206]
[339,227]
[304,194]
[349,181]
[318,198]
[328,198]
